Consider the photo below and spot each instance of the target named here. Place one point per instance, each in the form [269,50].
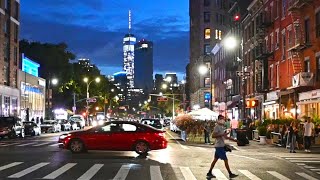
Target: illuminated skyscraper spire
[129,21]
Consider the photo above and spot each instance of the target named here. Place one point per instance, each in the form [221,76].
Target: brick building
[9,57]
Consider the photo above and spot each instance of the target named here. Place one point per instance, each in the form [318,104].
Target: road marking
[122,173]
[183,146]
[26,144]
[297,161]
[91,172]
[28,170]
[155,173]
[187,174]
[296,158]
[246,157]
[59,171]
[300,164]
[5,145]
[306,176]
[41,144]
[54,145]
[219,175]
[10,165]
[315,169]
[309,167]
[200,148]
[169,148]
[278,175]
[249,175]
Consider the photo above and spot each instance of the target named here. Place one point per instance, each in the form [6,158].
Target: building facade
[128,58]
[208,25]
[158,81]
[143,71]
[9,57]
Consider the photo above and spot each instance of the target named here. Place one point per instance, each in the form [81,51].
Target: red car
[115,135]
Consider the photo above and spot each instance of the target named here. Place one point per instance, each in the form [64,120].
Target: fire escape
[262,53]
[299,42]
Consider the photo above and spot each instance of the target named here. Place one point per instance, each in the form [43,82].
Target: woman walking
[293,132]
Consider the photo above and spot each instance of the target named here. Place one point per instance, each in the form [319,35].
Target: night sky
[94,29]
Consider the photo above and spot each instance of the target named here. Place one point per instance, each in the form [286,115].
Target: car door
[101,137]
[125,138]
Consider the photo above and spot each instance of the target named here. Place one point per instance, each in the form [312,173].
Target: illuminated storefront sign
[30,66]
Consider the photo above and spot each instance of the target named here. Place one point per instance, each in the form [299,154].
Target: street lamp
[164,86]
[203,69]
[86,80]
[54,81]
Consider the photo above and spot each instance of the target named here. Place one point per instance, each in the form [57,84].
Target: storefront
[309,103]
[32,95]
[271,105]
[9,101]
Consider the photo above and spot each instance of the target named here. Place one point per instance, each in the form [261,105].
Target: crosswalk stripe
[10,165]
[249,175]
[219,175]
[155,173]
[184,147]
[304,161]
[200,148]
[122,173]
[53,145]
[59,171]
[315,169]
[306,176]
[297,158]
[309,167]
[278,175]
[187,174]
[301,164]
[26,144]
[5,145]
[41,144]
[28,170]
[91,172]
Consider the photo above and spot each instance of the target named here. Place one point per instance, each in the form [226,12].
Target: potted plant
[262,130]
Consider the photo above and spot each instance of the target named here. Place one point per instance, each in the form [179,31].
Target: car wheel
[76,146]
[141,147]
[22,134]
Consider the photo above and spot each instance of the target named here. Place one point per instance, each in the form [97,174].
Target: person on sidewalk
[234,127]
[207,132]
[293,131]
[220,152]
[308,130]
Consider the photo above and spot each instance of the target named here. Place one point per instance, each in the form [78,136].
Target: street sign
[239,73]
[91,100]
[243,73]
[162,99]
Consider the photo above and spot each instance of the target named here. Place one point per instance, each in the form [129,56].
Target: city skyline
[100,34]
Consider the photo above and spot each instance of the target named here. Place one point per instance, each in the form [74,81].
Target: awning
[232,105]
[308,102]
[269,103]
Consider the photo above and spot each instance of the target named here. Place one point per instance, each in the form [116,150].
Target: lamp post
[86,80]
[54,82]
[165,86]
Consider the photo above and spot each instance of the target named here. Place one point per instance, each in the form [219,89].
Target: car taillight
[161,134]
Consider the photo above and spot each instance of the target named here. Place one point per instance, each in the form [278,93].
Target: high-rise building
[158,82]
[120,81]
[128,55]
[143,71]
[209,21]
[9,57]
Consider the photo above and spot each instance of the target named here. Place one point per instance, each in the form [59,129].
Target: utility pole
[74,103]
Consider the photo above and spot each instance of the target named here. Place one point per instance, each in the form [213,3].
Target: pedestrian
[234,127]
[220,152]
[227,125]
[41,120]
[308,132]
[292,136]
[207,132]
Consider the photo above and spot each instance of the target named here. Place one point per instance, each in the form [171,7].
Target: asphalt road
[40,158]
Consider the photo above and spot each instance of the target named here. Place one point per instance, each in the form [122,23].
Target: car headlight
[94,123]
[100,122]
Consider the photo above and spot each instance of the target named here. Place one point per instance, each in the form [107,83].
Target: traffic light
[236,17]
[251,103]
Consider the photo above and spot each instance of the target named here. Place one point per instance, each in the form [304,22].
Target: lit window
[207,33]
[220,35]
[217,33]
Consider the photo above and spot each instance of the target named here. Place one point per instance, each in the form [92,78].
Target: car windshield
[152,122]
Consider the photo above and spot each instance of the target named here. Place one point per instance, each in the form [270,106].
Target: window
[278,75]
[318,24]
[284,45]
[129,127]
[16,32]
[206,17]
[207,49]
[307,65]
[207,33]
[6,50]
[206,3]
[284,7]
[277,39]
[307,30]
[217,33]
[217,17]
[271,76]
[290,38]
[15,56]
[16,13]
[6,4]
[277,8]
[318,68]
[220,35]
[6,26]
[271,13]
[271,42]
[6,108]
[6,75]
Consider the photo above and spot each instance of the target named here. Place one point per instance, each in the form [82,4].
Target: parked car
[98,122]
[31,128]
[65,125]
[50,126]
[79,120]
[156,123]
[173,127]
[74,125]
[115,135]
[11,127]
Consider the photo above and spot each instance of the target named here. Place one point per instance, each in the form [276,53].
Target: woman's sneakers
[231,175]
[210,175]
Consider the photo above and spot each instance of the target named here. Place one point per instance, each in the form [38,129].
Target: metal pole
[74,103]
[211,95]
[87,113]
[173,107]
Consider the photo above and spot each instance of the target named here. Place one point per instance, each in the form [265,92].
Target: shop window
[206,17]
[220,35]
[6,109]
[207,33]
[278,75]
[217,34]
